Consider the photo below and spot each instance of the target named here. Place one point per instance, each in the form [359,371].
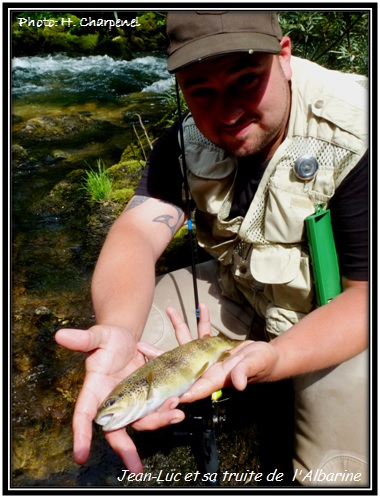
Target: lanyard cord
[187,198]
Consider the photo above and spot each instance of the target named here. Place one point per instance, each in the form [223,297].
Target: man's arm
[122,288]
[326,337]
[124,278]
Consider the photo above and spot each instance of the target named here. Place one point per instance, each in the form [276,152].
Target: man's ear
[285,56]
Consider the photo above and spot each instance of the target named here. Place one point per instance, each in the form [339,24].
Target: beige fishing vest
[263,256]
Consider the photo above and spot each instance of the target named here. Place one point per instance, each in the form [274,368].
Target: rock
[63,128]
[16,119]
[20,157]
[42,310]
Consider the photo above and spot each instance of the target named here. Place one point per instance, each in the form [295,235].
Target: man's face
[240,102]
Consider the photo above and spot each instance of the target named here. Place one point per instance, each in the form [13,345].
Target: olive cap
[196,35]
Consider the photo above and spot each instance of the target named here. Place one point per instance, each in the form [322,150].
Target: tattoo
[166,218]
[137,200]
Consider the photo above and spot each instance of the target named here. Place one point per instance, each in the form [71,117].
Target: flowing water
[51,267]
[52,96]
[67,112]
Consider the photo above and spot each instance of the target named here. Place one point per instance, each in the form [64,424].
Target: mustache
[240,123]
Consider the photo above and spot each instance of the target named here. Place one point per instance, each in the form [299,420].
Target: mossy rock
[63,128]
[126,174]
[66,198]
[149,33]
[20,157]
[122,196]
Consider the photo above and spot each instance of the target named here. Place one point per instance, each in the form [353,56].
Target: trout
[170,374]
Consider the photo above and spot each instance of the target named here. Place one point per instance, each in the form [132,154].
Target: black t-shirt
[162,179]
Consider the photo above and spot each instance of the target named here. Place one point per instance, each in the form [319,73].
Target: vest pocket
[285,215]
[285,271]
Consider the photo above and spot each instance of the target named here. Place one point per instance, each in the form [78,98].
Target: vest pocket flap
[209,163]
[286,211]
[275,264]
[347,116]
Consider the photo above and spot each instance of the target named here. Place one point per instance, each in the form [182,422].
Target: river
[53,259]
[51,265]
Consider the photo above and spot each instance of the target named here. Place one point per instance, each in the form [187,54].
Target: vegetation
[98,184]
[36,33]
[336,39]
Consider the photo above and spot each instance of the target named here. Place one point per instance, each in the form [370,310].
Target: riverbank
[57,233]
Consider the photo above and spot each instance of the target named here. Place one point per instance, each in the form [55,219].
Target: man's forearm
[123,281]
[328,336]
[124,278]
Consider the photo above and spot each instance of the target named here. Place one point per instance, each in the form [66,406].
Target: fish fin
[149,378]
[224,355]
[234,342]
[223,336]
[203,369]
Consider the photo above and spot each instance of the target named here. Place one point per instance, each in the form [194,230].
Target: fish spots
[170,374]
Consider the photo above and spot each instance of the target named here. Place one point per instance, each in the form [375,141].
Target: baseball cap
[196,35]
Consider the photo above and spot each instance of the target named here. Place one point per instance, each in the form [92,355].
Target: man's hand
[249,362]
[112,355]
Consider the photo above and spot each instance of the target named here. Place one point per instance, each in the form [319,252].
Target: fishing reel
[219,402]
[203,418]
[210,412]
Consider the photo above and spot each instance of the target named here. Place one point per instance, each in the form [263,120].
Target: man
[257,114]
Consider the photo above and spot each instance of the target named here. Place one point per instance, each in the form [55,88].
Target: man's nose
[230,109]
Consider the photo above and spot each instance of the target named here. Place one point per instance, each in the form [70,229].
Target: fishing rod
[188,202]
[205,450]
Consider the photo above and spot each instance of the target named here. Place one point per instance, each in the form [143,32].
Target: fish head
[113,413]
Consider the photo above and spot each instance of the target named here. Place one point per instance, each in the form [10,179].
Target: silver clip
[305,168]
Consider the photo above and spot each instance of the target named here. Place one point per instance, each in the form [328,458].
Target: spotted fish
[170,374]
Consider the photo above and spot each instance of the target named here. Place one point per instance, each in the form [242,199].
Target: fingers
[257,363]
[81,450]
[79,340]
[123,445]
[84,412]
[215,378]
[181,329]
[95,388]
[167,414]
[249,362]
[204,325]
[148,350]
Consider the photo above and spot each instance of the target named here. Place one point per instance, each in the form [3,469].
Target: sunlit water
[80,79]
[52,265]
[50,268]
[56,85]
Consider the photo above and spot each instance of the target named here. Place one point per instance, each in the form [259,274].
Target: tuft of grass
[97,183]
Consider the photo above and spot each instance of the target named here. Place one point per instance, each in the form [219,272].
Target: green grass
[97,183]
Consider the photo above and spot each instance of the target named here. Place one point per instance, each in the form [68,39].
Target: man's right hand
[111,356]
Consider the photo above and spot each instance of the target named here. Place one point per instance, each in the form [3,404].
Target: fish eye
[110,402]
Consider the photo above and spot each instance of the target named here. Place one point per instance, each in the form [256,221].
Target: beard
[260,137]
[257,141]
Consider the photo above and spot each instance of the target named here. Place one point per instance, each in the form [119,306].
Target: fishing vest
[263,256]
